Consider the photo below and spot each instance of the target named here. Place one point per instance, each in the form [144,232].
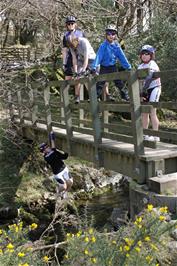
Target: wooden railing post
[96,123]
[81,111]
[137,127]
[47,108]
[20,110]
[34,107]
[10,105]
[67,115]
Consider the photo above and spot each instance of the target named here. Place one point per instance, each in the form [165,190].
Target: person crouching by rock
[55,158]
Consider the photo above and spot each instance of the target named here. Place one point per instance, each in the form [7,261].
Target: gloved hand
[93,72]
[82,73]
[52,135]
[75,75]
[64,68]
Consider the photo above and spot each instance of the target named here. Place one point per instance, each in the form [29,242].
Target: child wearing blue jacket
[107,55]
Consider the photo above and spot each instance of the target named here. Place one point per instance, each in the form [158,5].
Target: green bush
[143,242]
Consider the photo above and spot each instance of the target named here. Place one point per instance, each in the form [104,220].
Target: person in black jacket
[55,158]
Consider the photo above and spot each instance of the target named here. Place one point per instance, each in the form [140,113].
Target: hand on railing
[52,136]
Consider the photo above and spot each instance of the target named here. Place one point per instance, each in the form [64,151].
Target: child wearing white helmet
[151,88]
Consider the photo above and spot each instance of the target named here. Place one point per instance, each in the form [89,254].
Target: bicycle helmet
[43,146]
[111,28]
[70,19]
[148,48]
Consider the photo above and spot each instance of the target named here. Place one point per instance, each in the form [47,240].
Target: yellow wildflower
[139,219]
[157,264]
[127,255]
[24,264]
[68,235]
[78,234]
[33,226]
[1,252]
[46,258]
[139,243]
[128,241]
[21,254]
[139,226]
[164,209]
[162,218]
[150,207]
[86,239]
[137,249]
[66,256]
[120,248]
[154,247]
[149,259]
[147,239]
[1,232]
[86,252]
[10,246]
[93,260]
[90,231]
[114,242]
[93,239]
[126,248]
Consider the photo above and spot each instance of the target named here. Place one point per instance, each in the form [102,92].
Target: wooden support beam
[94,106]
[67,115]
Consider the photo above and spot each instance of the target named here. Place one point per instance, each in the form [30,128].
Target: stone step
[164,184]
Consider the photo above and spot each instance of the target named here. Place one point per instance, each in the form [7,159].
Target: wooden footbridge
[91,130]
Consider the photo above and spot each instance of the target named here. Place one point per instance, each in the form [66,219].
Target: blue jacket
[108,54]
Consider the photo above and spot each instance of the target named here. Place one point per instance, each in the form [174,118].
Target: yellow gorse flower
[164,209]
[138,249]
[162,218]
[1,252]
[24,264]
[93,239]
[150,207]
[139,243]
[21,254]
[149,259]
[93,260]
[147,239]
[33,226]
[90,231]
[1,232]
[128,241]
[46,258]
[86,252]
[86,239]
[126,248]
[10,246]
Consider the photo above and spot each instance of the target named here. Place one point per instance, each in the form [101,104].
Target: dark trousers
[118,83]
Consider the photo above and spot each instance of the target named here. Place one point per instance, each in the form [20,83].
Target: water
[101,207]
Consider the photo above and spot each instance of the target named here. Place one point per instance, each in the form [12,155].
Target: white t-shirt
[84,49]
[152,65]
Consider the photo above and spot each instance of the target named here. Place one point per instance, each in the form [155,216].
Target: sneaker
[109,98]
[156,139]
[124,95]
[151,138]
[145,137]
[77,99]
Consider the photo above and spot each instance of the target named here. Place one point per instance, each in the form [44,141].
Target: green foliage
[16,249]
[143,242]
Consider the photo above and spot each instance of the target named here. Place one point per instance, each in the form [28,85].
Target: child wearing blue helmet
[151,88]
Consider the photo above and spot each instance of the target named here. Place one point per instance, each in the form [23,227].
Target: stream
[100,208]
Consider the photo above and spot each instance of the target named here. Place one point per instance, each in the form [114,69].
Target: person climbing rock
[55,158]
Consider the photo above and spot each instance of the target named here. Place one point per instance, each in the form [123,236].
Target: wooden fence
[38,104]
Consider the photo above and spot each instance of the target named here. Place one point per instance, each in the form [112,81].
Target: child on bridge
[55,159]
[151,88]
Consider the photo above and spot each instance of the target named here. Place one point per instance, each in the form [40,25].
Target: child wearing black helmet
[151,88]
[55,159]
